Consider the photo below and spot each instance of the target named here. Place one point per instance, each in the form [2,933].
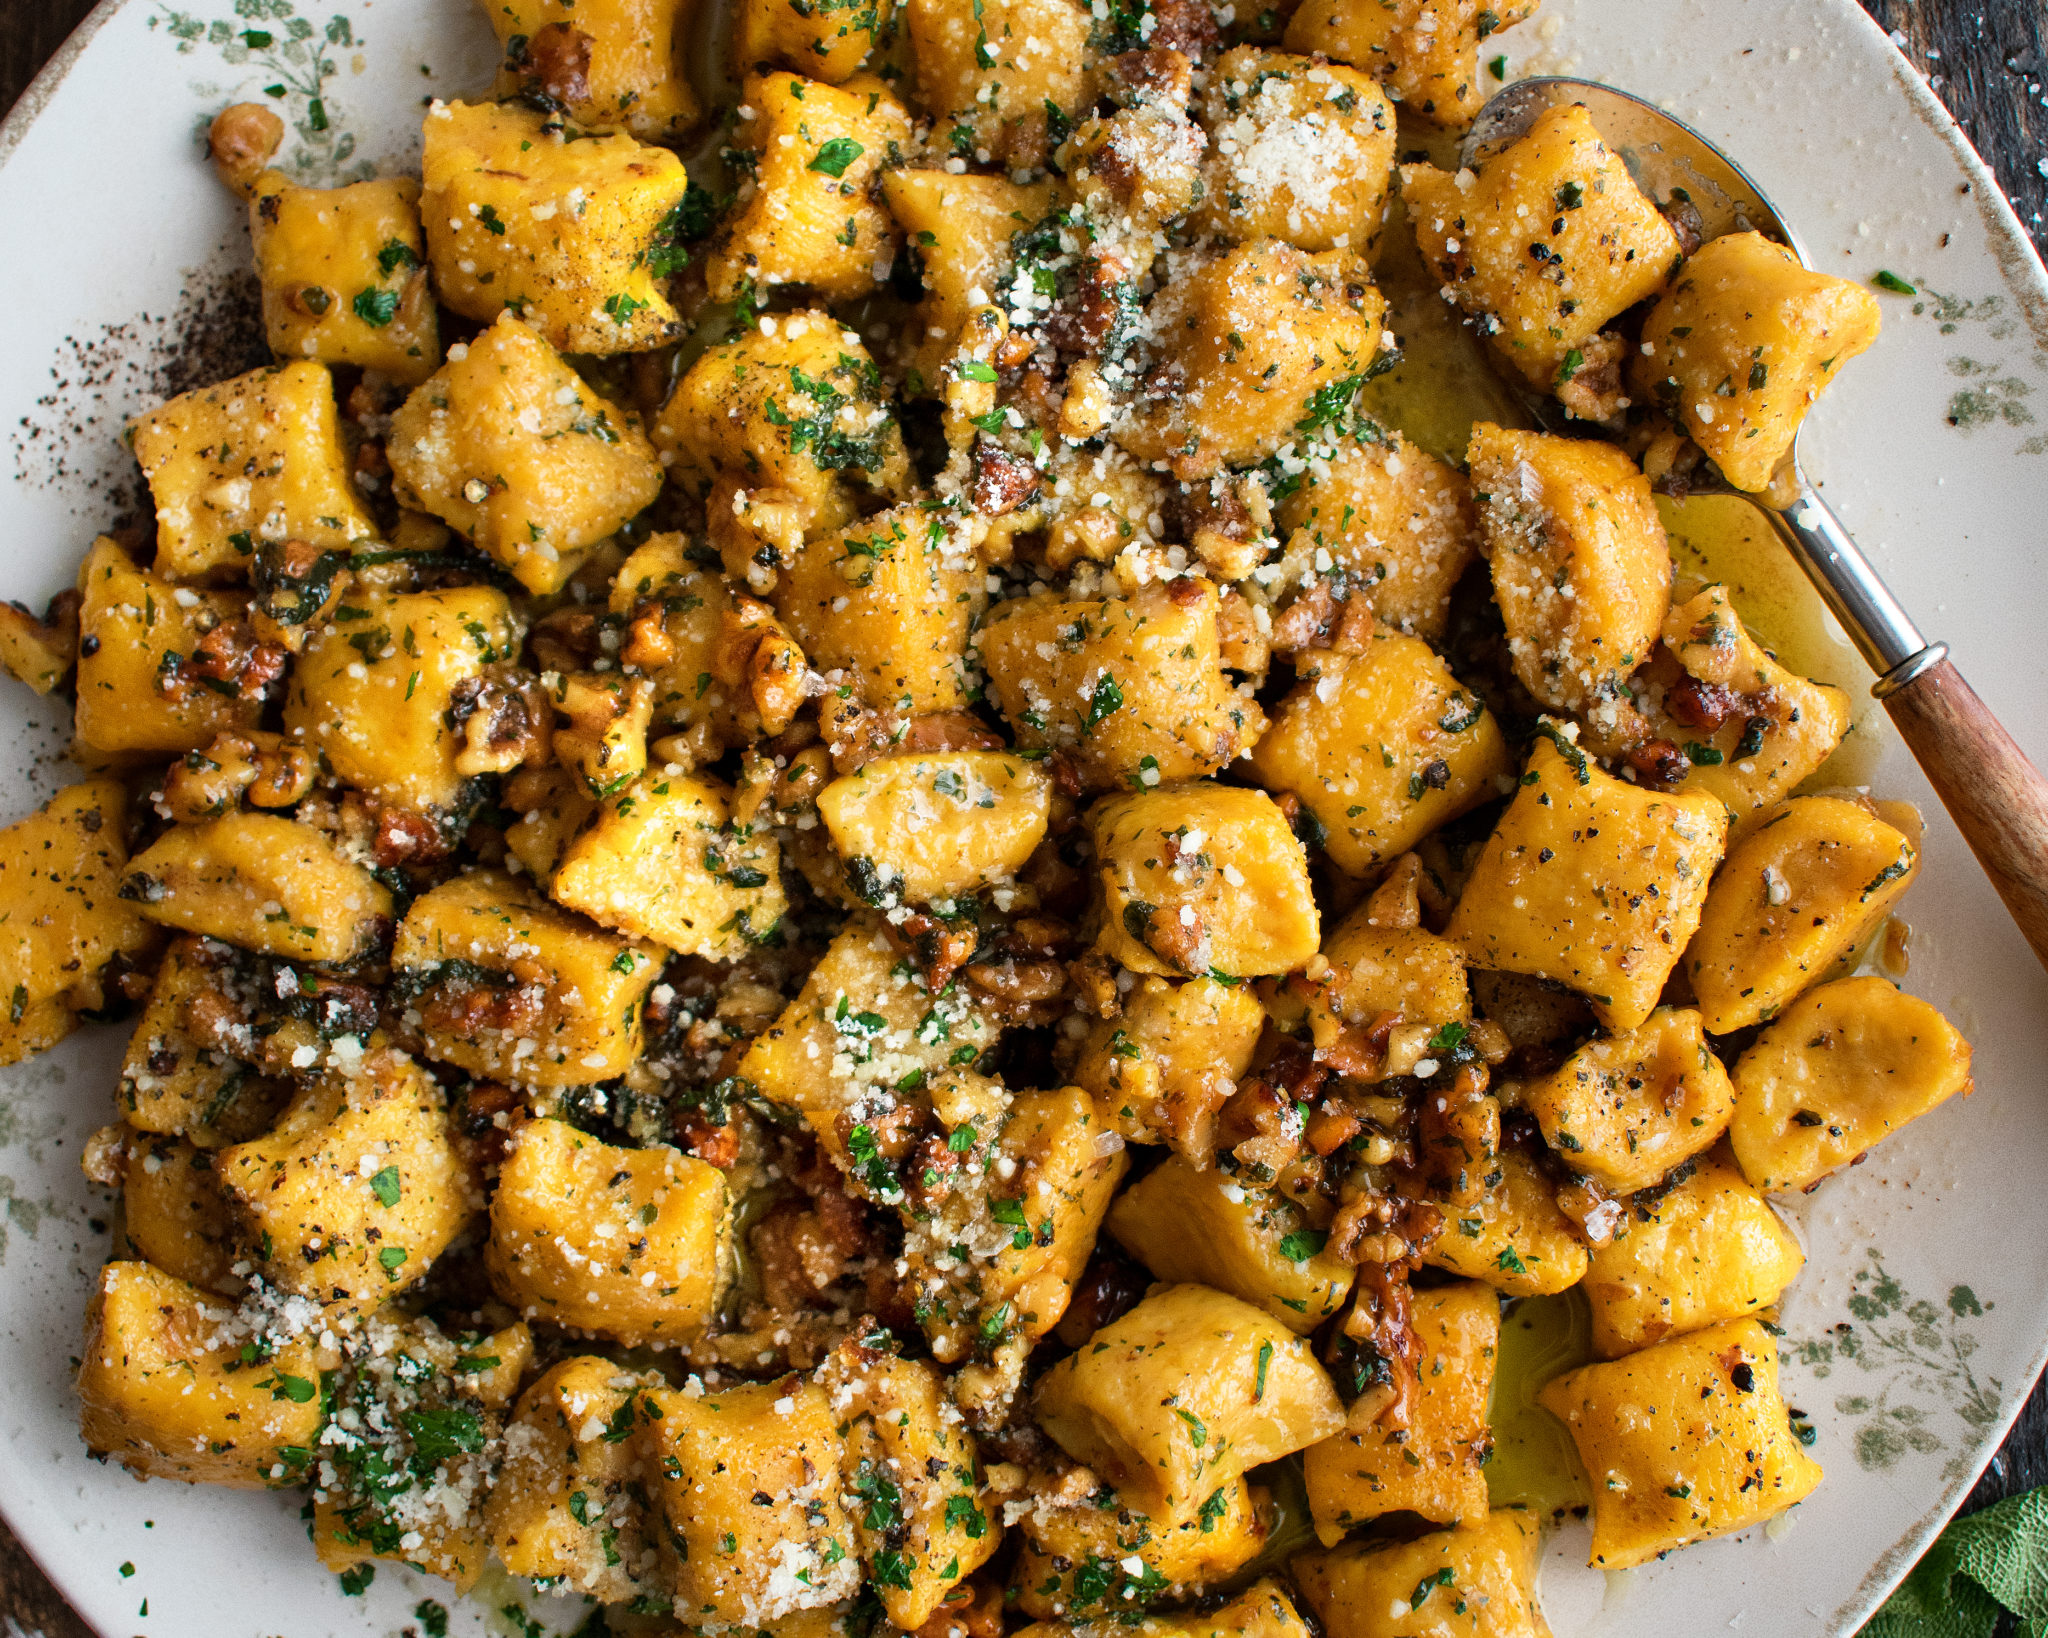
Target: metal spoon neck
[1890,643]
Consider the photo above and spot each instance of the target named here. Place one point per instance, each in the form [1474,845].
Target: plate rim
[2023,271]
[29,107]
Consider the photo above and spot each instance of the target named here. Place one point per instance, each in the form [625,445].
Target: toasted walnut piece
[808,773]
[1186,26]
[1002,481]
[649,645]
[693,747]
[1660,764]
[1082,321]
[1592,389]
[242,139]
[227,660]
[261,766]
[504,724]
[1088,405]
[1158,74]
[756,651]
[558,58]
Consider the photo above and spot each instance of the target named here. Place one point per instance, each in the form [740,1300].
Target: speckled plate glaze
[1923,1313]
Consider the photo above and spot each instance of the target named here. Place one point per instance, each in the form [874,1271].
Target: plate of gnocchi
[760,737]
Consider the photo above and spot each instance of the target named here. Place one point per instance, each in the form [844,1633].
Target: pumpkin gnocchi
[868,872]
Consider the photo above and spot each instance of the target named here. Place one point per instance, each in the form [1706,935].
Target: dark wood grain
[1986,60]
[30,33]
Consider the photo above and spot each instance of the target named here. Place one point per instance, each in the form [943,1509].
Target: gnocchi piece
[380,688]
[1543,247]
[567,1501]
[630,1244]
[805,217]
[1434,1464]
[1515,1237]
[1605,914]
[509,446]
[1240,1389]
[1627,1108]
[1025,1249]
[781,424]
[553,804]
[1795,898]
[138,634]
[1381,963]
[1262,1610]
[923,1528]
[934,825]
[254,459]
[1201,880]
[175,1215]
[740,1558]
[1299,149]
[1382,748]
[1756,729]
[1843,1066]
[862,1020]
[360,1185]
[958,231]
[829,42]
[1398,518]
[1741,345]
[345,275]
[1099,1557]
[1475,1581]
[41,653]
[509,986]
[1684,1441]
[1172,1059]
[675,607]
[412,1446]
[66,918]
[1707,1249]
[179,1079]
[664,862]
[1193,1227]
[1581,568]
[164,1392]
[1426,52]
[567,229]
[607,64]
[262,882]
[991,78]
[1137,163]
[1267,338]
[890,601]
[1132,688]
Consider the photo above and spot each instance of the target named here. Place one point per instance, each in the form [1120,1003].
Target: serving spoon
[1997,798]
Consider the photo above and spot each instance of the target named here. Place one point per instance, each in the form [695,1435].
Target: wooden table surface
[1987,60]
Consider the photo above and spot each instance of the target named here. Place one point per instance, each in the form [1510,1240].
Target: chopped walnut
[558,62]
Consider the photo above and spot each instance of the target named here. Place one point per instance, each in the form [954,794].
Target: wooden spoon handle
[1997,798]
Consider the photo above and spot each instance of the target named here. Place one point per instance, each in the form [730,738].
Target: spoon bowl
[1668,159]
[1997,798]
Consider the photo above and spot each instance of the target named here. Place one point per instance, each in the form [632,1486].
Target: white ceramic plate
[1922,1317]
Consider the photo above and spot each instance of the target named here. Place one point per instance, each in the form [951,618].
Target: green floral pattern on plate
[1921,1351]
[292,55]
